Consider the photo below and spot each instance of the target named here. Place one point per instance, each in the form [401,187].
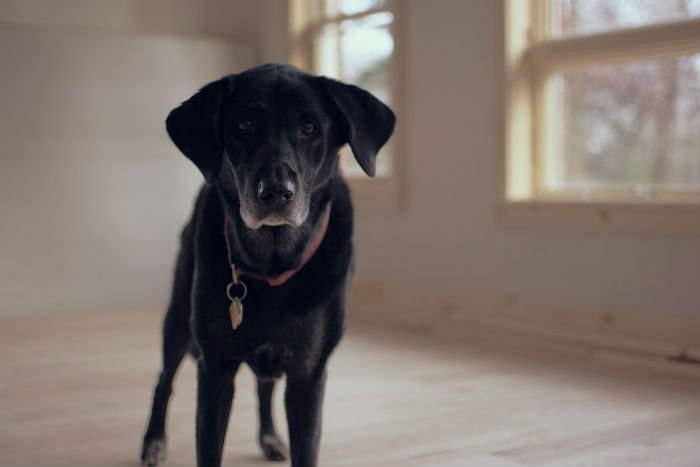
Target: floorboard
[75,390]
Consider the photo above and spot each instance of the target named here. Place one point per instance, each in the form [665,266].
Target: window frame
[384,191]
[531,58]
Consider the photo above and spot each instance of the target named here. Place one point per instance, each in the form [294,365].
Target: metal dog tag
[235,310]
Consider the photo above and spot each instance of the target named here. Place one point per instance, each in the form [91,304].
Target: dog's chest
[280,342]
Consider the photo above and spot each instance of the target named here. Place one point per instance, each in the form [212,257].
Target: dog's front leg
[214,397]
[303,401]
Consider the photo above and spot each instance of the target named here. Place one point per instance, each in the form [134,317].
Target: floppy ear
[193,127]
[370,123]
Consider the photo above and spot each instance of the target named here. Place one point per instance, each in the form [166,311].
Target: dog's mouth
[275,220]
[258,217]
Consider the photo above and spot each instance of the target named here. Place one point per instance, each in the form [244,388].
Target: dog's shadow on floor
[249,460]
[252,460]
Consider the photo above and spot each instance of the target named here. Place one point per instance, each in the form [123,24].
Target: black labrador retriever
[265,260]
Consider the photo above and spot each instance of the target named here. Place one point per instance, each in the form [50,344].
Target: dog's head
[272,135]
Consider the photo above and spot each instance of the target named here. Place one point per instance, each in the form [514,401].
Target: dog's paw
[153,452]
[273,448]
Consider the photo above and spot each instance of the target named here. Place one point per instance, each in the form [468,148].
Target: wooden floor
[74,391]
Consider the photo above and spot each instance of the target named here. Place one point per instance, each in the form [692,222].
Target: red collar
[276,281]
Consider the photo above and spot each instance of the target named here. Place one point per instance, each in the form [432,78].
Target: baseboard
[459,314]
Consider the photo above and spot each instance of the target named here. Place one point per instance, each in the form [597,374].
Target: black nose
[274,193]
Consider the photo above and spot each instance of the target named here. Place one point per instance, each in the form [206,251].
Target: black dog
[265,260]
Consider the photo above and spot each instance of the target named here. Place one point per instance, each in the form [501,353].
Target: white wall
[92,192]
[448,235]
[227,18]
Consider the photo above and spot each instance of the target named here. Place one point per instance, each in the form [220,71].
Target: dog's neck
[272,252]
[312,247]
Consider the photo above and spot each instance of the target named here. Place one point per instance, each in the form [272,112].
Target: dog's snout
[274,192]
[274,196]
[277,185]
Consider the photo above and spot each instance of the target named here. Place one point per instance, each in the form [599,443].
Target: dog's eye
[308,128]
[245,126]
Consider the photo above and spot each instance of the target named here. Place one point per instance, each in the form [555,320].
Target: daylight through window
[353,41]
[615,99]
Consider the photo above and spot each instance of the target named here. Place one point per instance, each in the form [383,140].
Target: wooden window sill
[602,216]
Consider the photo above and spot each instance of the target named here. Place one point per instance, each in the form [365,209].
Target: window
[353,41]
[603,101]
